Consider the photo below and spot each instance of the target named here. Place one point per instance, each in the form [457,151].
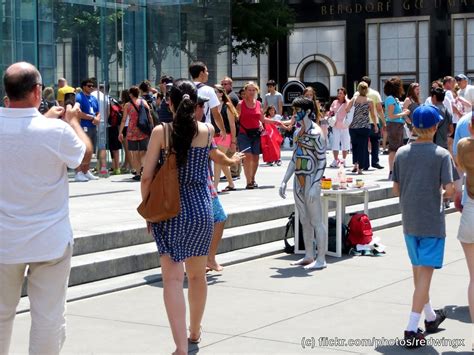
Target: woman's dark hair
[267,111]
[124,96]
[134,91]
[183,96]
[145,86]
[393,87]
[412,94]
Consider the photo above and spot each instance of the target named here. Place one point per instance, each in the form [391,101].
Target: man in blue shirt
[462,131]
[90,118]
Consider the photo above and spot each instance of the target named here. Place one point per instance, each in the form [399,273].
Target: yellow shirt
[376,99]
[64,90]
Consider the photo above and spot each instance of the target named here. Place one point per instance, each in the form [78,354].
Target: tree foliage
[256,25]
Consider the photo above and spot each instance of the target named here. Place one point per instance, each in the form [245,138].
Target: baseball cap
[426,116]
[202,99]
[460,77]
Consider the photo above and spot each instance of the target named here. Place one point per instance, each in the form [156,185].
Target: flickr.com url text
[312,342]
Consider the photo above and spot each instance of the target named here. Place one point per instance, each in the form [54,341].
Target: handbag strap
[167,141]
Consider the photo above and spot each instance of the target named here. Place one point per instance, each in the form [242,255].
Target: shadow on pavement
[397,349]
[156,280]
[460,313]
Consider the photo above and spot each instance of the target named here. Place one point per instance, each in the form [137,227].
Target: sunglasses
[90,86]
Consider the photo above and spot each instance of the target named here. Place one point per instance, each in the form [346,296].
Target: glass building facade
[120,42]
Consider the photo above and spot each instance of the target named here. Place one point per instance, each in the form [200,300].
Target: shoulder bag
[163,200]
[349,116]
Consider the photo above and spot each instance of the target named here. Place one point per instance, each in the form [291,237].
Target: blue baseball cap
[426,116]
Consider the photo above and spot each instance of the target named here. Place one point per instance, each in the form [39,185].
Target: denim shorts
[247,142]
[219,213]
[425,251]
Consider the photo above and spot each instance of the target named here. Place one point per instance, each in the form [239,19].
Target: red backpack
[360,229]
[115,113]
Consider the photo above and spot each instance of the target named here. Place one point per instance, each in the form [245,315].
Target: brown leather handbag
[163,202]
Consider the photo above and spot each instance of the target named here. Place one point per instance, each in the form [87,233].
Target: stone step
[128,235]
[135,251]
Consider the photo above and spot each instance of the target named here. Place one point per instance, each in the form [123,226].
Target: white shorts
[466,227]
[341,139]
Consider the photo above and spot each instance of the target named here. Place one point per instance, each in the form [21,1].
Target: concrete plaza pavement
[266,306]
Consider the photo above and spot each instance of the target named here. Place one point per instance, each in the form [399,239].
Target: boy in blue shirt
[421,202]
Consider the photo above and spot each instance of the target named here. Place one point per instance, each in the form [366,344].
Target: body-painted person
[308,164]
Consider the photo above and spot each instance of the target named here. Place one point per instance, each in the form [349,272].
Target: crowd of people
[214,123]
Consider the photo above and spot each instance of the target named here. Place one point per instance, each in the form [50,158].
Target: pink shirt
[340,113]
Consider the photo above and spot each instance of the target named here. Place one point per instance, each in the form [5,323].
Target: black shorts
[135,146]
[113,142]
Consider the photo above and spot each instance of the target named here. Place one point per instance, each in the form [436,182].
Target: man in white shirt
[448,85]
[200,76]
[35,231]
[467,91]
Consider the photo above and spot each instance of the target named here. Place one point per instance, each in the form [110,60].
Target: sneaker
[137,177]
[80,177]
[414,339]
[89,176]
[334,164]
[385,152]
[447,204]
[278,163]
[116,172]
[377,166]
[104,173]
[432,327]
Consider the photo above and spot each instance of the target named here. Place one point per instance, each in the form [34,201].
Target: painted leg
[315,212]
[308,235]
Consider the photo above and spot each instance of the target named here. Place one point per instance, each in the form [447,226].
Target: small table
[338,196]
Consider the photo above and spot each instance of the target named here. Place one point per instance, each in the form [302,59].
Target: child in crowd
[423,214]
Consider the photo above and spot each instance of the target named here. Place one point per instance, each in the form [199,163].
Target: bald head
[62,83]
[20,80]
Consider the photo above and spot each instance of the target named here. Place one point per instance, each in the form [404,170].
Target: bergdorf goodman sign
[387,6]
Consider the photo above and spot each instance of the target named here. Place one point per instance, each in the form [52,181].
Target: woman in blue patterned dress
[186,237]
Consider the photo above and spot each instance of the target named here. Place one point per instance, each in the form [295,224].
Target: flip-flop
[249,187]
[229,188]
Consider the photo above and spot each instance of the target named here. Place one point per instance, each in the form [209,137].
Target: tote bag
[163,201]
